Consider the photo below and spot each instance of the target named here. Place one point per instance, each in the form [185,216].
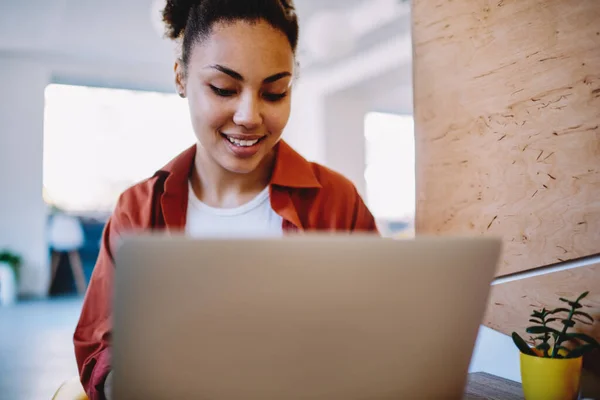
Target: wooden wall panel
[511,303]
[507,119]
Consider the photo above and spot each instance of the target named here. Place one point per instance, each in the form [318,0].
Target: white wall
[329,106]
[22,210]
[496,354]
[305,128]
[23,79]
[345,136]
[329,129]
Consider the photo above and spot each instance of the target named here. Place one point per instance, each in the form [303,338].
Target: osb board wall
[511,303]
[507,117]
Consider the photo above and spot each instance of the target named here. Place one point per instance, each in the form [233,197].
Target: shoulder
[134,206]
[332,195]
[294,171]
[131,214]
[333,182]
[137,205]
[340,203]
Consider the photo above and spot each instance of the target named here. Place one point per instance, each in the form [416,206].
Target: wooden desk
[482,386]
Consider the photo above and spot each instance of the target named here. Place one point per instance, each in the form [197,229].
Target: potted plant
[9,276]
[551,367]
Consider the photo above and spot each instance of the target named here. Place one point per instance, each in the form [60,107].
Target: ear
[179,77]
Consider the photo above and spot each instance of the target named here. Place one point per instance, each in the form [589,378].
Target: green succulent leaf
[581,350]
[543,346]
[575,305]
[582,321]
[582,295]
[521,345]
[541,329]
[569,323]
[537,314]
[584,338]
[585,315]
[544,332]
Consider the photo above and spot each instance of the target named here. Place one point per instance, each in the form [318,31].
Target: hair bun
[288,6]
[175,16]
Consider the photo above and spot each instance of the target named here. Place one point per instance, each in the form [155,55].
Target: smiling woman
[236,71]
[239,108]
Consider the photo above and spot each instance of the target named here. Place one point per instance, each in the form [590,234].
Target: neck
[218,187]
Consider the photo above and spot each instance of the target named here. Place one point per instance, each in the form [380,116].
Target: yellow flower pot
[550,378]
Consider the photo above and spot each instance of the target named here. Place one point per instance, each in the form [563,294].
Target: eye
[274,97]
[222,92]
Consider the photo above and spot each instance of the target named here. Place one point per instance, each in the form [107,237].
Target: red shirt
[308,196]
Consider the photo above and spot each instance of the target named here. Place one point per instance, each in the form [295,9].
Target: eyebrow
[238,77]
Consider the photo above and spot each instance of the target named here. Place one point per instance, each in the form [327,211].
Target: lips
[243,146]
[243,140]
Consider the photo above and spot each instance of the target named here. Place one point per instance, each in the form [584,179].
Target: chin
[243,160]
[240,166]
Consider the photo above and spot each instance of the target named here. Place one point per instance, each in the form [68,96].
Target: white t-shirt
[255,218]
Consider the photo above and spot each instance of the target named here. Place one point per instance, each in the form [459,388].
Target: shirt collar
[291,170]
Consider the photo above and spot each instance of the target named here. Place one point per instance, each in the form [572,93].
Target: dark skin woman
[236,70]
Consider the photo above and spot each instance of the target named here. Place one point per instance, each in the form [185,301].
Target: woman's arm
[93,332]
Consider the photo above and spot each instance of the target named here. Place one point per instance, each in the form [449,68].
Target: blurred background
[89,108]
[507,95]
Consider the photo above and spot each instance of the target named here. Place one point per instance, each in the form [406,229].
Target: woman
[236,69]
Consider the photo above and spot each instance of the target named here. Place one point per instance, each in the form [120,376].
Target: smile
[236,141]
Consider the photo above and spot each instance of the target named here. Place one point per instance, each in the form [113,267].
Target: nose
[248,113]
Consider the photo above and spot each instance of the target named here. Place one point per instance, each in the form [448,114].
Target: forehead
[252,49]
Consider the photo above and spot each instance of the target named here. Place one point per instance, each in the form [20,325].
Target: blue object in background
[64,283]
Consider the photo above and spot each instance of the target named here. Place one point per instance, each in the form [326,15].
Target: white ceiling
[82,29]
[116,30]
[88,37]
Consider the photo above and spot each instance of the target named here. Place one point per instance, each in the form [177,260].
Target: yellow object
[550,378]
[70,390]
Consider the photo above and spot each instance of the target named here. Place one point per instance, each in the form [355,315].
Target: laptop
[320,317]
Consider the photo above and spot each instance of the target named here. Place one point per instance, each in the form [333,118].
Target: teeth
[242,143]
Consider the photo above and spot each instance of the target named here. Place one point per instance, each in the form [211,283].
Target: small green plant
[13,260]
[549,342]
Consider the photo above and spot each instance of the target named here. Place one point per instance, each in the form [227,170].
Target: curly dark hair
[191,20]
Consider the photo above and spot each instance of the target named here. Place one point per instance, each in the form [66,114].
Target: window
[98,142]
[390,168]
